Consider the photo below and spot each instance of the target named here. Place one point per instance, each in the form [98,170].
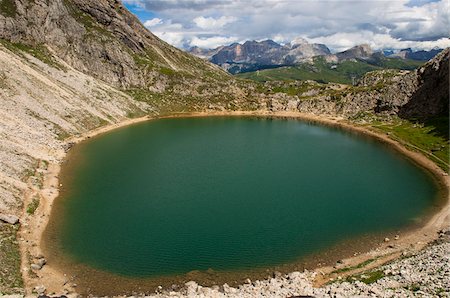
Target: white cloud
[174,38]
[153,22]
[339,24]
[211,23]
[343,41]
[211,42]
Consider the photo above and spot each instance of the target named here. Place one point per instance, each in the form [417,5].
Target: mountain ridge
[257,55]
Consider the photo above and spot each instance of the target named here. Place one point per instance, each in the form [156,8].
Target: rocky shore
[425,274]
[422,274]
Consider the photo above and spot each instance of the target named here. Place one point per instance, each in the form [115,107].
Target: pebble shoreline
[424,274]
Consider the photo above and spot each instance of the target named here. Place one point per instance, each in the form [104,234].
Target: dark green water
[175,195]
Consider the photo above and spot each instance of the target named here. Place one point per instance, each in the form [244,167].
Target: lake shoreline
[56,281]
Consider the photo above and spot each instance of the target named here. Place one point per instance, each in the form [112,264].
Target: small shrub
[33,206]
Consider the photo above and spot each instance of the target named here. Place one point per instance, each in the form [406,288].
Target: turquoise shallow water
[174,195]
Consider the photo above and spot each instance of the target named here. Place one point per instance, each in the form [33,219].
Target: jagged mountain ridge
[254,55]
[418,55]
[261,53]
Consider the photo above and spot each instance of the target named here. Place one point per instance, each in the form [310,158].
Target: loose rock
[9,218]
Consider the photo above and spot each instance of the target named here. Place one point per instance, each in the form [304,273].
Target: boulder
[9,218]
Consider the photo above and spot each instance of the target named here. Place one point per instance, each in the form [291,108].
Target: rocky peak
[357,52]
[266,53]
[298,41]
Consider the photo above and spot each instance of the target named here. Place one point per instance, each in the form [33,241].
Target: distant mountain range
[257,55]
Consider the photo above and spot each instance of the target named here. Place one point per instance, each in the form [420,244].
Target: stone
[191,285]
[36,267]
[294,275]
[387,239]
[41,262]
[40,290]
[9,218]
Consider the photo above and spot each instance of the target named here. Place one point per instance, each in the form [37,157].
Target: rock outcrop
[431,97]
[422,93]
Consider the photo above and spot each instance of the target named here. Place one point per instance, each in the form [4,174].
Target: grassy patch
[40,52]
[371,277]
[3,81]
[359,266]
[428,137]
[10,276]
[167,71]
[31,208]
[413,287]
[8,8]
[323,72]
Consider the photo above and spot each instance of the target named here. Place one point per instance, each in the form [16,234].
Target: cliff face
[431,97]
[418,94]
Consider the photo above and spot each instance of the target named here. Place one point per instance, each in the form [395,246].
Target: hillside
[104,40]
[319,70]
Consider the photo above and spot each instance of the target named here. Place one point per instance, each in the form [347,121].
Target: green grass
[430,137]
[40,52]
[167,71]
[413,287]
[394,63]
[371,277]
[324,72]
[8,8]
[31,208]
[359,266]
[3,81]
[10,274]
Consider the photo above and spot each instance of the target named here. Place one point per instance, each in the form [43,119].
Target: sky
[340,24]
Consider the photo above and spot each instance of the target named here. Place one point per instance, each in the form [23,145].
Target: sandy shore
[57,282]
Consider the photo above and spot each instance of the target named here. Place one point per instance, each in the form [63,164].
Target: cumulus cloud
[339,24]
[211,42]
[212,23]
[153,22]
[161,5]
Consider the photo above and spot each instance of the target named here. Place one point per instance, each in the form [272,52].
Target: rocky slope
[104,40]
